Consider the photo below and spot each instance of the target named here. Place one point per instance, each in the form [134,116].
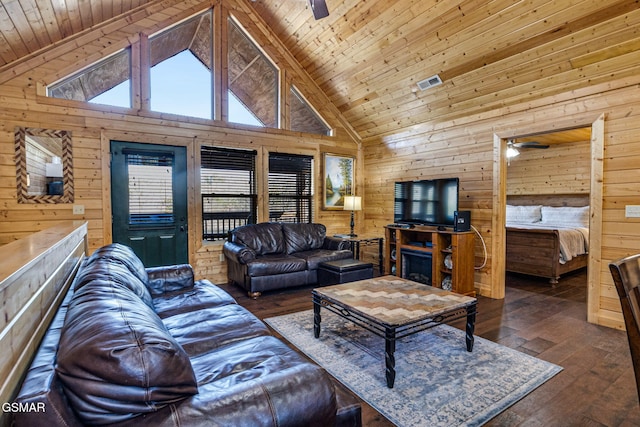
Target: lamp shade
[512,152]
[352,203]
[53,170]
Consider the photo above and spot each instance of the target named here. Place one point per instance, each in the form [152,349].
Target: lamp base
[352,234]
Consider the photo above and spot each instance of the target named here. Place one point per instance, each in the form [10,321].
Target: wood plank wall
[465,148]
[560,169]
[22,91]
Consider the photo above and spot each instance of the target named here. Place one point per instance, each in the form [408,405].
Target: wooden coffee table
[394,308]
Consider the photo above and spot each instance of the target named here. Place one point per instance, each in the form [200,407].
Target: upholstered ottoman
[343,271]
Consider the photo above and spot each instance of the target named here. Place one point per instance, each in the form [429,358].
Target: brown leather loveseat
[272,255]
[132,346]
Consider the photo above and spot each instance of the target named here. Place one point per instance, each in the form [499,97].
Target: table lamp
[352,203]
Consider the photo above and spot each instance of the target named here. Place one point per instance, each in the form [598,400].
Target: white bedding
[574,241]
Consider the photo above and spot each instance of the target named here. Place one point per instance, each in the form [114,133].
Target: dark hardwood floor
[596,386]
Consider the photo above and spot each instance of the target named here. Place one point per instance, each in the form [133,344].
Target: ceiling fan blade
[319,8]
[530,144]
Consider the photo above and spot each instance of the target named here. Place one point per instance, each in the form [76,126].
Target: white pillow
[524,214]
[577,217]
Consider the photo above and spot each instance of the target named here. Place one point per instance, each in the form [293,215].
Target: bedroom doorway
[594,155]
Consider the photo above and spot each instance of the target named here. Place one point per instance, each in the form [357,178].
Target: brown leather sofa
[272,255]
[131,346]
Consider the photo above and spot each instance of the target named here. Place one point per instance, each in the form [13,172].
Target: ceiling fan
[530,144]
[319,8]
[512,148]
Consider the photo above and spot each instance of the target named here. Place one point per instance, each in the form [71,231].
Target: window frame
[304,191]
[128,52]
[295,92]
[230,219]
[139,76]
[167,32]
[232,21]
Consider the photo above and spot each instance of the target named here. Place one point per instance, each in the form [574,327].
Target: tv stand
[452,254]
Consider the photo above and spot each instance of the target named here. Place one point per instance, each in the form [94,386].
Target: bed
[546,241]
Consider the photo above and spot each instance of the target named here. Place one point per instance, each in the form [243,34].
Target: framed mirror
[44,165]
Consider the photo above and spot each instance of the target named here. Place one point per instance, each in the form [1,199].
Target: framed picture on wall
[338,172]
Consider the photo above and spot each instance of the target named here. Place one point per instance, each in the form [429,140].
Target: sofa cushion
[315,257]
[275,264]
[207,329]
[303,237]
[111,269]
[169,278]
[117,359]
[125,255]
[270,383]
[201,295]
[264,238]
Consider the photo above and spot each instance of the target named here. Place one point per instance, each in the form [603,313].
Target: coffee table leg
[316,318]
[390,360]
[471,322]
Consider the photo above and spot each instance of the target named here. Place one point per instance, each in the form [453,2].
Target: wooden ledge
[35,274]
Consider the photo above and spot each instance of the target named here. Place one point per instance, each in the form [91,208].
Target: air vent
[430,82]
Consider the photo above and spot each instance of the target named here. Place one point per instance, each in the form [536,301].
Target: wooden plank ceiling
[559,137]
[368,56]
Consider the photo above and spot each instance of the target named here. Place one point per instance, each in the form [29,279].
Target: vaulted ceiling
[368,56]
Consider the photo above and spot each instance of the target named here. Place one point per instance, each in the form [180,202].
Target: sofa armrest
[170,278]
[336,243]
[240,254]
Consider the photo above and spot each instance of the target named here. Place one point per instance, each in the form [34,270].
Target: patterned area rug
[438,383]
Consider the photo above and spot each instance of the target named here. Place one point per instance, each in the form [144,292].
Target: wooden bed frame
[537,252]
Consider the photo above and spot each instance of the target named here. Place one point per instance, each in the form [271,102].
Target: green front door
[149,201]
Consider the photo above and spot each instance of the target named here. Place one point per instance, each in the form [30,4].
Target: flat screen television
[426,202]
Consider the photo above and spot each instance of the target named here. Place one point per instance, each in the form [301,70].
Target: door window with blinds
[228,189]
[290,188]
[150,188]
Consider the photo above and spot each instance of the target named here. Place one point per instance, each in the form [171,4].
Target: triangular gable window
[238,113]
[90,84]
[303,117]
[253,79]
[181,64]
[181,80]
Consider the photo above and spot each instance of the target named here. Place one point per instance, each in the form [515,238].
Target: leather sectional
[131,346]
[272,255]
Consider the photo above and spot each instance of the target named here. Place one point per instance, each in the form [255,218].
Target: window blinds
[228,189]
[290,187]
